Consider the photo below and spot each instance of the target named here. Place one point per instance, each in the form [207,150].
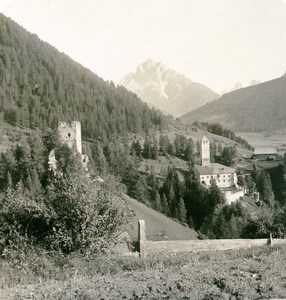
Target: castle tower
[205,151]
[70,133]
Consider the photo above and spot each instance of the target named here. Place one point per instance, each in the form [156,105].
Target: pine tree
[264,187]
[157,202]
[164,144]
[99,160]
[165,205]
[181,211]
[189,150]
[147,148]
[154,151]
[141,190]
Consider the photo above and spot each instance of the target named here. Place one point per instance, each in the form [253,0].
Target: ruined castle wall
[70,134]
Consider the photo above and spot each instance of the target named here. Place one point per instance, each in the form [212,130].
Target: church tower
[205,151]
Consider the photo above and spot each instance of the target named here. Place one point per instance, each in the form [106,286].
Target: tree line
[218,129]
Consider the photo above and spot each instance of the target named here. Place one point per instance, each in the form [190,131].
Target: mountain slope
[258,108]
[164,88]
[39,86]
[158,226]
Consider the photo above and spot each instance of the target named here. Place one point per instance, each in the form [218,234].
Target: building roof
[265,150]
[214,168]
[204,138]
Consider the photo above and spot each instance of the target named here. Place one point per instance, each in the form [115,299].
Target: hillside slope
[158,226]
[166,89]
[39,86]
[258,108]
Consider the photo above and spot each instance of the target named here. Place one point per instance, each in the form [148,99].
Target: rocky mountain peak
[166,89]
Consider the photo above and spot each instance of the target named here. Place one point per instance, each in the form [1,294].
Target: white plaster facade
[224,177]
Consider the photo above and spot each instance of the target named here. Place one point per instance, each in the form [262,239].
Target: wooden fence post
[142,238]
[270,241]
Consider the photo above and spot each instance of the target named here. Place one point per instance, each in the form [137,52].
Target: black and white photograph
[142,149]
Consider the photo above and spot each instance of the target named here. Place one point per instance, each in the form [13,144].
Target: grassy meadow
[255,273]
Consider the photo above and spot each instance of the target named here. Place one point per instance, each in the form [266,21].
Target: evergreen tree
[189,152]
[198,143]
[215,197]
[141,191]
[154,150]
[147,148]
[181,211]
[157,202]
[165,205]
[99,161]
[164,143]
[264,187]
[130,177]
[137,147]
[227,156]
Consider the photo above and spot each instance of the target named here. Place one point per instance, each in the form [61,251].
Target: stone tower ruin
[70,134]
[205,151]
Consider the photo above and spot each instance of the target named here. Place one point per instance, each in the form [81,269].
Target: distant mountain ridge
[258,108]
[166,89]
[239,85]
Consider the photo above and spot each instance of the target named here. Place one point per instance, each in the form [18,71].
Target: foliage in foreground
[73,214]
[65,211]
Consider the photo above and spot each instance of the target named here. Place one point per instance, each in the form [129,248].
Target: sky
[214,42]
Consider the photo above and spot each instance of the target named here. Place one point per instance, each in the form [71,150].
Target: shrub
[74,214]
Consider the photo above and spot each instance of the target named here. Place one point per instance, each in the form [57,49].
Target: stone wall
[70,134]
[232,196]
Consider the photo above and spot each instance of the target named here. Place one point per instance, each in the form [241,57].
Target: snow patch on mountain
[162,87]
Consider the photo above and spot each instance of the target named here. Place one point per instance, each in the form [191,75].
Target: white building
[224,177]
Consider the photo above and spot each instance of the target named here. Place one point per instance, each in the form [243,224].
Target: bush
[74,214]
[24,219]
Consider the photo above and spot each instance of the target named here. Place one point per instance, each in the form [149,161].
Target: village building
[224,177]
[265,153]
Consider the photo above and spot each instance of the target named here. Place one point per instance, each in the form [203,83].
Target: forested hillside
[39,86]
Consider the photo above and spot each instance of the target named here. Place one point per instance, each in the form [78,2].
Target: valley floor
[256,273]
